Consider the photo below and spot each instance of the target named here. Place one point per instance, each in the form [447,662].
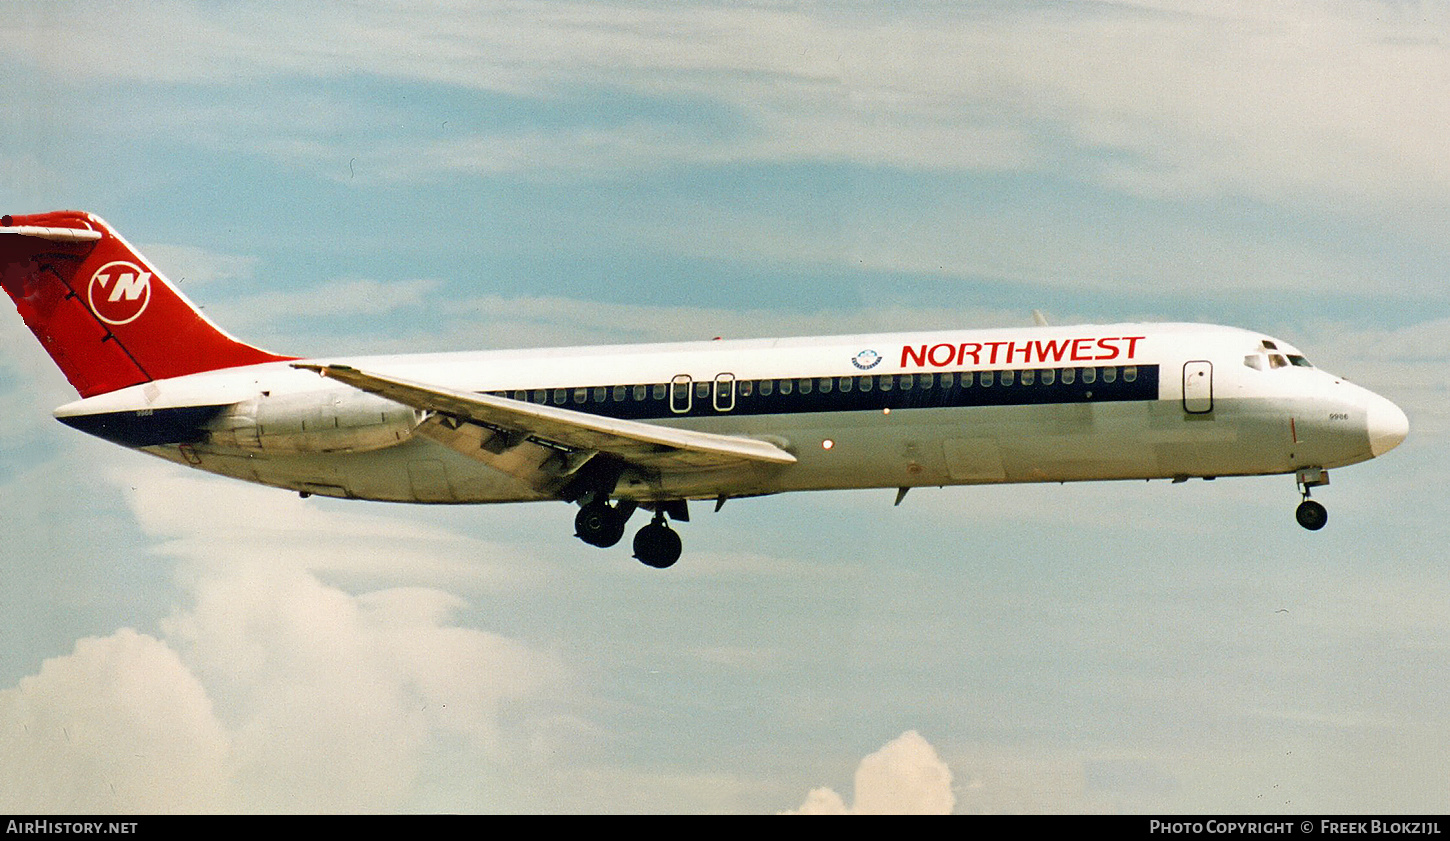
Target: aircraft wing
[499,426]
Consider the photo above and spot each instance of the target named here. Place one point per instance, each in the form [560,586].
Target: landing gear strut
[1310,514]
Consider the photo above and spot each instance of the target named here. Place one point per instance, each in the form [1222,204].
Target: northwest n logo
[119,292]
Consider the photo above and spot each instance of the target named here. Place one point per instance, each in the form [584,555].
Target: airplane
[615,429]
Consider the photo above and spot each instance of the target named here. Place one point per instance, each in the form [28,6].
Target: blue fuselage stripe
[706,398]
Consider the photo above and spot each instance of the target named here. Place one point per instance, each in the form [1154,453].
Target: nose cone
[1386,424]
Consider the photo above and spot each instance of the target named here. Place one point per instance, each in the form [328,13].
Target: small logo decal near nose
[119,292]
[866,360]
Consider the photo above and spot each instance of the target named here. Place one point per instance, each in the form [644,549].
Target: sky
[373,176]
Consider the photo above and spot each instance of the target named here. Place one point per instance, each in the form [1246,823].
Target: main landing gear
[656,544]
[1310,514]
[601,524]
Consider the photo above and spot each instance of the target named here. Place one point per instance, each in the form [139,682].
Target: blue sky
[382,177]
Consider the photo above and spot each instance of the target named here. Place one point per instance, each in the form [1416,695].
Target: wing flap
[513,422]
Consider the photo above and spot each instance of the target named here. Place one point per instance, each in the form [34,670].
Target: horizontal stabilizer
[53,234]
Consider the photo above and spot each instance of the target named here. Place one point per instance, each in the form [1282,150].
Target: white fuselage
[1144,401]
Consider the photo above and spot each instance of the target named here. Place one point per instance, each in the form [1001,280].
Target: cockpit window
[1274,360]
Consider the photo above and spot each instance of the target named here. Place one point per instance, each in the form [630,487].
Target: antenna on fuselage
[1038,318]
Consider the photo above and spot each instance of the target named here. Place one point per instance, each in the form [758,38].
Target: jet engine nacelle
[338,421]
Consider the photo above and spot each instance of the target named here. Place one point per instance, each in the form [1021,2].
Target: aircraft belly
[1010,444]
[997,444]
[415,471]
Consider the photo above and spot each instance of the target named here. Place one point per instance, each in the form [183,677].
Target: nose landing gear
[1310,514]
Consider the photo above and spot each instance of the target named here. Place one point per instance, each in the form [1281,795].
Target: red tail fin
[105,315]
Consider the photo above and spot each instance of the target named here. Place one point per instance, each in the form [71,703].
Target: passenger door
[1198,387]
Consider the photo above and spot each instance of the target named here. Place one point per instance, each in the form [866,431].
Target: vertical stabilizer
[106,316]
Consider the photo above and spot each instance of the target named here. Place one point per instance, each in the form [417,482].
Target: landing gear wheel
[1311,515]
[657,545]
[601,525]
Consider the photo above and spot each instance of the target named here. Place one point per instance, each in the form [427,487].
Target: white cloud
[119,725]
[338,298]
[187,264]
[334,702]
[268,689]
[271,693]
[905,777]
[1167,98]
